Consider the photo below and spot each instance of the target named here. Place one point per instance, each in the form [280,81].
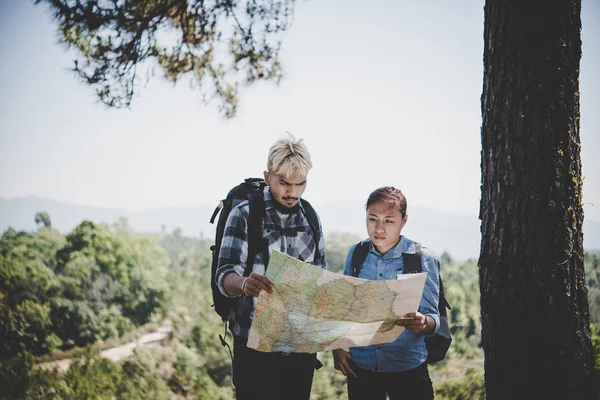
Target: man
[285,227]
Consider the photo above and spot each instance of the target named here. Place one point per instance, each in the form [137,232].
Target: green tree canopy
[218,44]
[42,219]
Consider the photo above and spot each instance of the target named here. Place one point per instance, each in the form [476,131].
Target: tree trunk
[534,309]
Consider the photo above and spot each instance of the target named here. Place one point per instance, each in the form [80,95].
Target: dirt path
[120,352]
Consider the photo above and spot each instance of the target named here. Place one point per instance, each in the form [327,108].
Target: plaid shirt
[289,233]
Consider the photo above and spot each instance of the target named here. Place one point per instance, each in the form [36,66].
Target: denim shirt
[408,350]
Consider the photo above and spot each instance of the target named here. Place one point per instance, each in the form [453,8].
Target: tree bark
[534,308]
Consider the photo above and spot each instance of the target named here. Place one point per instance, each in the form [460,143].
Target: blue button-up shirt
[408,350]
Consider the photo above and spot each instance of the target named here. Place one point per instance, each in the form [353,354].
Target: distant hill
[19,213]
[440,231]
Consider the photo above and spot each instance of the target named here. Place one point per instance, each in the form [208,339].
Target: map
[312,310]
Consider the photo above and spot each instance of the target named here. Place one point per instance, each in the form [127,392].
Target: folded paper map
[312,310]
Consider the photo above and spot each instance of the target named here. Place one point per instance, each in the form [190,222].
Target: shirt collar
[403,246]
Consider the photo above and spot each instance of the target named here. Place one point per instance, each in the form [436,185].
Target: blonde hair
[289,157]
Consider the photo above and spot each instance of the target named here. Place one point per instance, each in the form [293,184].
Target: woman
[397,369]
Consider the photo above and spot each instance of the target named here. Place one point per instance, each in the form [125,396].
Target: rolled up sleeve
[234,247]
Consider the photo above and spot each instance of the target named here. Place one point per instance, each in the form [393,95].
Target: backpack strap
[256,243]
[313,222]
[358,257]
[412,262]
[443,303]
[219,207]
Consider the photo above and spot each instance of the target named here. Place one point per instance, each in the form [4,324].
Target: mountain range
[440,231]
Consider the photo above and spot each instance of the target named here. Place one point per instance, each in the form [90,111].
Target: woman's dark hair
[389,195]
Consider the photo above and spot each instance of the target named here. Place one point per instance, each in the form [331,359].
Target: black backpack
[438,344]
[252,190]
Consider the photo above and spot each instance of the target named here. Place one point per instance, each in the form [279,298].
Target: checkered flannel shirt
[289,233]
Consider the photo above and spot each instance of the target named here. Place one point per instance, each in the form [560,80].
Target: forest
[69,297]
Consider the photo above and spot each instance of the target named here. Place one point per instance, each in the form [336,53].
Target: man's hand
[235,284]
[341,358]
[254,283]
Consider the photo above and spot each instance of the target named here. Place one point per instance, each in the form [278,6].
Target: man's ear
[266,174]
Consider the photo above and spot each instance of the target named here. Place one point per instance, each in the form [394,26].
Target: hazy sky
[384,93]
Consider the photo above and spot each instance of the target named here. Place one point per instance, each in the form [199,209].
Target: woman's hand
[414,322]
[341,358]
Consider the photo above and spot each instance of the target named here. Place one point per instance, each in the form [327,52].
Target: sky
[383,93]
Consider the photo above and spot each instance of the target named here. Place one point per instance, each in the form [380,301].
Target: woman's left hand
[414,322]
